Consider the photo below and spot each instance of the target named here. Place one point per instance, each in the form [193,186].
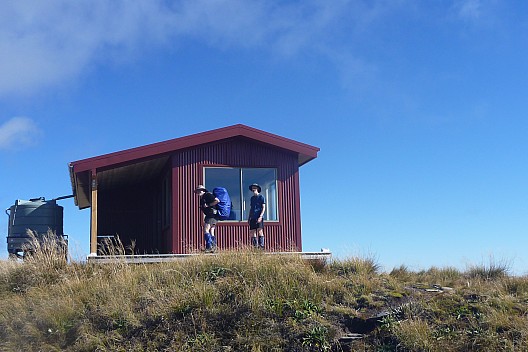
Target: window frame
[240,169]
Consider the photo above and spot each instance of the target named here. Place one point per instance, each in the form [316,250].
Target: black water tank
[37,215]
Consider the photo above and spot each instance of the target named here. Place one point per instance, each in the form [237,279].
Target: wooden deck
[160,258]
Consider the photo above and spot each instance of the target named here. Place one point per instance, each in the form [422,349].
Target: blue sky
[419,108]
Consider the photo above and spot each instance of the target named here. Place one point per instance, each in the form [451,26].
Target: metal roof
[131,166]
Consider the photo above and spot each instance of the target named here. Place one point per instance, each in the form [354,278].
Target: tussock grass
[493,270]
[250,301]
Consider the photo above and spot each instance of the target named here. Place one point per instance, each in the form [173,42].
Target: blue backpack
[224,207]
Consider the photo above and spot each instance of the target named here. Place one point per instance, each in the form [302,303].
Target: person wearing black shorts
[208,204]
[255,218]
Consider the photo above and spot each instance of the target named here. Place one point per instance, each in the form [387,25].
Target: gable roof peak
[306,152]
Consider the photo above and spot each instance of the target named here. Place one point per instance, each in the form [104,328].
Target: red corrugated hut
[145,195]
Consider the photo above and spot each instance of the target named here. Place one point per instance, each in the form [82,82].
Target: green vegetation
[247,301]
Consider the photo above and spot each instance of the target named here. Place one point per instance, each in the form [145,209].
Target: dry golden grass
[250,301]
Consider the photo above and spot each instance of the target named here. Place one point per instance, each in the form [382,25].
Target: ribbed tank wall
[38,216]
[188,167]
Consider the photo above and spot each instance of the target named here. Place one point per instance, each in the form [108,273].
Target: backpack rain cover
[224,207]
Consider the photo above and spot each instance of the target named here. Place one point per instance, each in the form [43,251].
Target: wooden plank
[161,258]
[93,214]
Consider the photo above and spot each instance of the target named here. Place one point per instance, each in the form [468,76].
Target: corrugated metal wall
[188,172]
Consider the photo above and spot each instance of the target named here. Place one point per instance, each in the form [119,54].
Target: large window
[237,181]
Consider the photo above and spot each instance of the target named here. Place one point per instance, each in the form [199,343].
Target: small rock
[351,337]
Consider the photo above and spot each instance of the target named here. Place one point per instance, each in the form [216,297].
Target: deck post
[93,214]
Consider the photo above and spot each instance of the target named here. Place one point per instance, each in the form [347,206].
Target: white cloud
[285,28]
[483,12]
[469,9]
[45,43]
[48,42]
[18,132]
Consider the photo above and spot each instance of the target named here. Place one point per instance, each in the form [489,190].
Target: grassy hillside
[247,301]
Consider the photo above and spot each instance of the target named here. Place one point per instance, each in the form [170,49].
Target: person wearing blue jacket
[255,218]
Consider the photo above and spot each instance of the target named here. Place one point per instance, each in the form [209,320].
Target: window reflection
[237,181]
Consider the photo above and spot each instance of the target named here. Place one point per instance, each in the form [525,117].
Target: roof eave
[79,168]
[192,141]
